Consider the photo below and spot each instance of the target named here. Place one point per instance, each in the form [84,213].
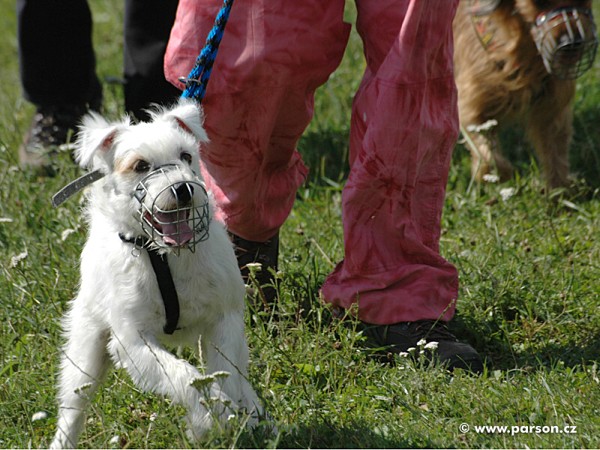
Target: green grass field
[530,285]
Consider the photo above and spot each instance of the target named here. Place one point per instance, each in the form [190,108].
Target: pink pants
[259,101]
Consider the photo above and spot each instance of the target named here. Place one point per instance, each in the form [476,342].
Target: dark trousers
[57,61]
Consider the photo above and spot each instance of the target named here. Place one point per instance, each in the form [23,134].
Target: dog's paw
[211,409]
[198,425]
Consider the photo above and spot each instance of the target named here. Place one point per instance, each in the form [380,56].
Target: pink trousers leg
[404,127]
[272,58]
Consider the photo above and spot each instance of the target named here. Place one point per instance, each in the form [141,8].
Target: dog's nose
[183,192]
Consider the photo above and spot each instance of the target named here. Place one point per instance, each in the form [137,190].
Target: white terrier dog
[150,215]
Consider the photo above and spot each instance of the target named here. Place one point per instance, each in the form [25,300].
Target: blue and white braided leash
[196,81]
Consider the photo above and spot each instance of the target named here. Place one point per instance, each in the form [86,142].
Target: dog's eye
[186,157]
[141,166]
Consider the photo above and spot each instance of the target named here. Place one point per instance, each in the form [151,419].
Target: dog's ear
[96,141]
[188,116]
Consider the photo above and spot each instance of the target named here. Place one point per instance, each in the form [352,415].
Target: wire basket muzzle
[175,216]
[567,41]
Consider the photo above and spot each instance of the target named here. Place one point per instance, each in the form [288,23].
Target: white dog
[151,203]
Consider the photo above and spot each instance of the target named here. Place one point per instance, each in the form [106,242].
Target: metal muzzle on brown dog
[567,41]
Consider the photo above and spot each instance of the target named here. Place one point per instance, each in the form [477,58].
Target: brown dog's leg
[486,156]
[551,138]
[550,130]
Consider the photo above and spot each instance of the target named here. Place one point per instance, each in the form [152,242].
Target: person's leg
[147,26]
[403,130]
[57,69]
[259,101]
[404,127]
[56,55]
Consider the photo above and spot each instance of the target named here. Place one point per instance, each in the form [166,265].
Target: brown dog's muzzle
[566,40]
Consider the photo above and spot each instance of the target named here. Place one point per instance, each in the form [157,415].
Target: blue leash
[196,81]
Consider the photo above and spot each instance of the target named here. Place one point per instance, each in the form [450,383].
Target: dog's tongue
[176,231]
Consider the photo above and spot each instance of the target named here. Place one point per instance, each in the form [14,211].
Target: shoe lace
[52,125]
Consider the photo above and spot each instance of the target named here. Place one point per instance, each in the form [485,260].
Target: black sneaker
[400,337]
[52,129]
[261,279]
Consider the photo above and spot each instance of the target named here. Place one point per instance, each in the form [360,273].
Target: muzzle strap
[160,264]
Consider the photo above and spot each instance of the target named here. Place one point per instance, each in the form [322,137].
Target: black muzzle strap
[164,278]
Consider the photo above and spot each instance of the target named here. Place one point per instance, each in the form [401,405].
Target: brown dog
[516,62]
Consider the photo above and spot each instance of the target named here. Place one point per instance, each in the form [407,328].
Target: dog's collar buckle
[138,242]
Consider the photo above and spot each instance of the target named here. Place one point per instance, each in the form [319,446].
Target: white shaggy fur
[119,314]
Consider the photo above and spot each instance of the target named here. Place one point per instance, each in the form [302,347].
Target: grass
[529,294]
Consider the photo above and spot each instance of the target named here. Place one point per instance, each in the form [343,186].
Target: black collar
[160,264]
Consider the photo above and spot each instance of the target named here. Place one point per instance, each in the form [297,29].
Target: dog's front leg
[225,349]
[486,156]
[550,135]
[83,366]
[153,368]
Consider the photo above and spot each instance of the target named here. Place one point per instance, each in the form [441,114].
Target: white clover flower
[202,381]
[67,147]
[507,193]
[66,233]
[421,343]
[221,374]
[411,350]
[491,178]
[81,389]
[15,260]
[40,415]
[486,126]
[403,354]
[431,346]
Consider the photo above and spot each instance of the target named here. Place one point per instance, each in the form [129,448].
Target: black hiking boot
[400,337]
[52,130]
[261,278]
